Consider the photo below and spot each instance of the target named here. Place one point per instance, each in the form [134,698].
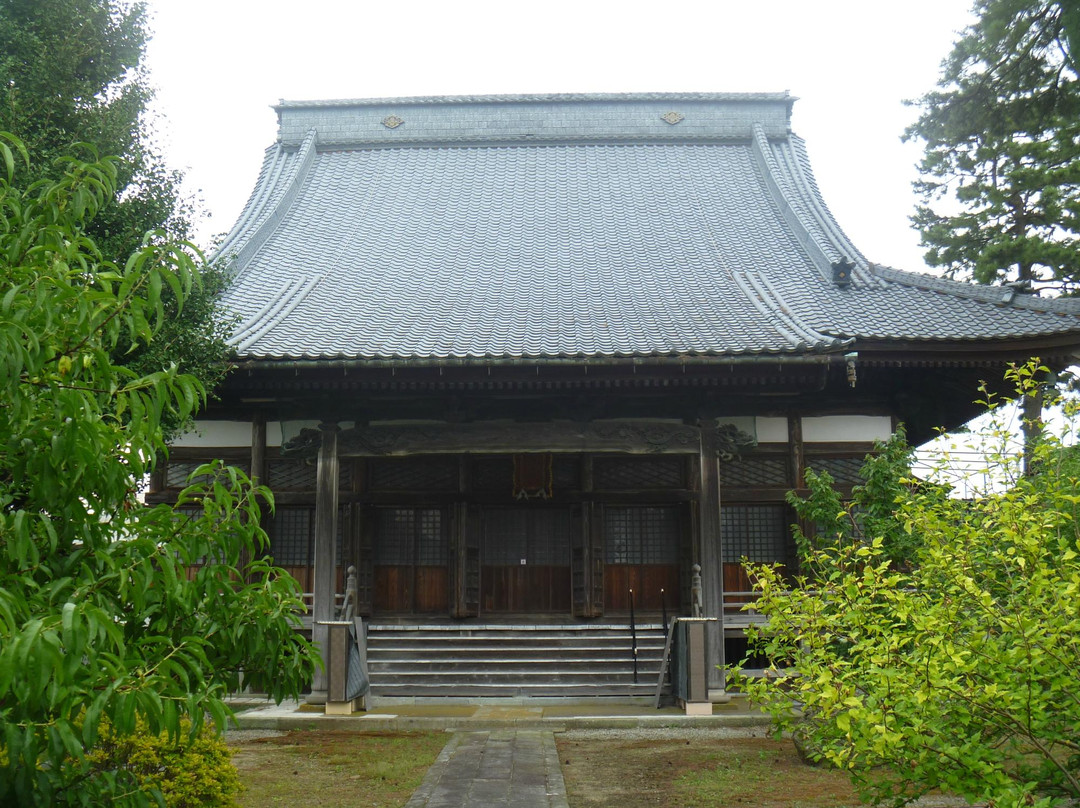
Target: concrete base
[698,708]
[719,697]
[316,697]
[342,707]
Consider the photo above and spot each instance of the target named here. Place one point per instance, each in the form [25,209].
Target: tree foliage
[72,80]
[837,520]
[957,672]
[1001,169]
[98,617]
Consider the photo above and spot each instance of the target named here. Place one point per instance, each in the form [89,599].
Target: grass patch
[335,768]
[698,773]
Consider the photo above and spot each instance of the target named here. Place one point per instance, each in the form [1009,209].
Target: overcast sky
[219,65]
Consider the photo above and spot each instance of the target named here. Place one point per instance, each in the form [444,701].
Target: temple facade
[534,358]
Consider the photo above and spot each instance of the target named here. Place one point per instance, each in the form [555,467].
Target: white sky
[220,64]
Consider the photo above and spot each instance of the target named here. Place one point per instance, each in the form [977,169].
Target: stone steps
[575,660]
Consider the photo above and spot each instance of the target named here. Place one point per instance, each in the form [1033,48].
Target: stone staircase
[512,661]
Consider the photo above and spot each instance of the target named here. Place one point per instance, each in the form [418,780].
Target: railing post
[663,607]
[695,591]
[348,604]
[633,636]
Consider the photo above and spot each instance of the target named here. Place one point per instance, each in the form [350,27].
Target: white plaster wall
[846,428]
[216,433]
[772,430]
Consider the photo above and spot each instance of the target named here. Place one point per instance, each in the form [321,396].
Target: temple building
[527,360]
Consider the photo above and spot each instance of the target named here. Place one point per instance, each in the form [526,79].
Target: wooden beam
[631,437]
[326,513]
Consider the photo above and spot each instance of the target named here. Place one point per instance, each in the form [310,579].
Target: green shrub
[189,771]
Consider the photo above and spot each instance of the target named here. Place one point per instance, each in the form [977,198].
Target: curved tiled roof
[613,236]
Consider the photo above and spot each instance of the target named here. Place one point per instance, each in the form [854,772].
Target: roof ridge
[998,295]
[536,98]
[277,309]
[817,338]
[266,214]
[272,166]
[798,170]
[767,164]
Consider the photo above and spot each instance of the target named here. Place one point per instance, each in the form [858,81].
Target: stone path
[517,768]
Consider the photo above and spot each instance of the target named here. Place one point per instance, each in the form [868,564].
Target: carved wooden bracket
[731,441]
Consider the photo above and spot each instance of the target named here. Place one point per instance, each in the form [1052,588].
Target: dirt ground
[336,769]
[635,772]
[602,769]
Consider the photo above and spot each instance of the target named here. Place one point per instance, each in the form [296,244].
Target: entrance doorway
[525,559]
[642,553]
[410,572]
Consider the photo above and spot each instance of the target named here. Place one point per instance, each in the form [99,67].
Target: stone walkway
[517,768]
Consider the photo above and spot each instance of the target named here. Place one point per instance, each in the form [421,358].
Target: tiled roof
[569,226]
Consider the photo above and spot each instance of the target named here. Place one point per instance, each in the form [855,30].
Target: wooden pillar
[326,513]
[258,472]
[258,448]
[712,571]
[797,452]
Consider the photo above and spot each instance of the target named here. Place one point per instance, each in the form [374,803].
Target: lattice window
[637,473]
[843,470]
[176,474]
[493,474]
[414,474]
[291,475]
[748,472]
[566,473]
[292,532]
[760,533]
[641,535]
[540,536]
[292,536]
[406,536]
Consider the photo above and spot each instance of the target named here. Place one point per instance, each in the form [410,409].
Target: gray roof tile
[620,241]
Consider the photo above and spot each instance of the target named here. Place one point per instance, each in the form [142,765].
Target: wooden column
[258,472]
[712,571]
[258,448]
[797,452]
[326,513]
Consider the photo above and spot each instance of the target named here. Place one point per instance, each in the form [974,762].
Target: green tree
[1001,168]
[99,619]
[837,520]
[71,72]
[957,672]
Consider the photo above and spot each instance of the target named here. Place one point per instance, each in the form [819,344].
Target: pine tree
[1001,169]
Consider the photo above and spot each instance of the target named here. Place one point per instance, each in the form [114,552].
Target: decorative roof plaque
[392,121]
[671,117]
